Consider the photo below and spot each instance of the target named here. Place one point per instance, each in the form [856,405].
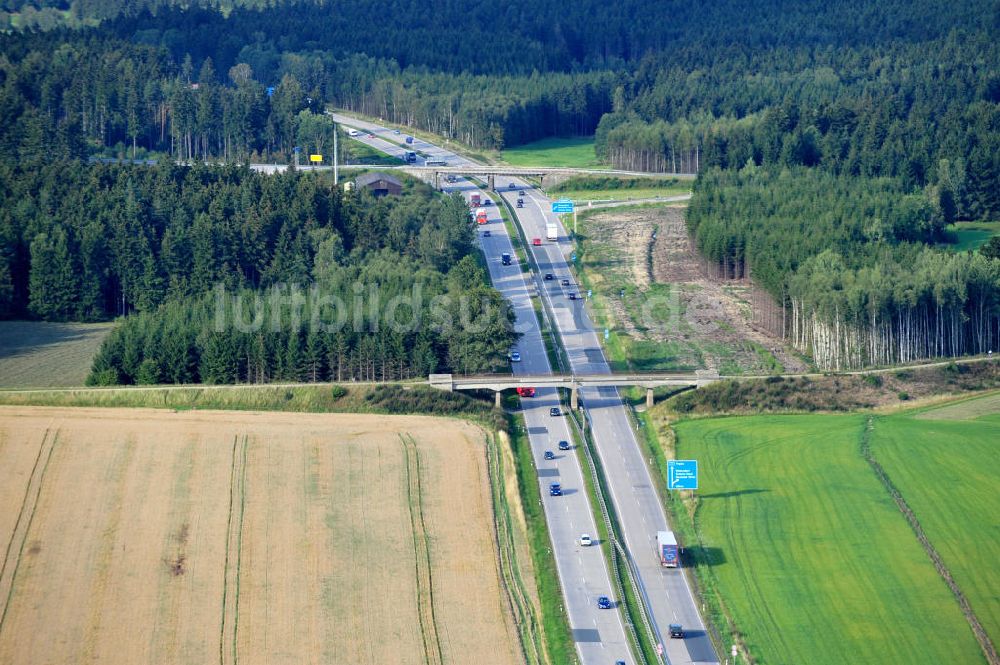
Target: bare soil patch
[202,537]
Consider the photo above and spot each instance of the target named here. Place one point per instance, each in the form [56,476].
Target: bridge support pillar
[491,182]
[574,399]
[497,399]
[649,398]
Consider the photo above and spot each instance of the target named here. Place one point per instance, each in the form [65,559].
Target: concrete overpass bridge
[490,173]
[572,382]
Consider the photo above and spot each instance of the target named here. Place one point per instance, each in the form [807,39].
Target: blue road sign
[270,91]
[682,474]
[572,257]
[607,333]
[562,205]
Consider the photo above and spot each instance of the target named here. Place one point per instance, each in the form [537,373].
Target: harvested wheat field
[148,536]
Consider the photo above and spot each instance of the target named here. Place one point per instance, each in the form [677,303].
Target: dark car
[604,603]
[511,186]
[571,295]
[520,193]
[555,489]
[676,631]
[554,411]
[549,455]
[520,203]
[486,233]
[564,445]
[564,282]
[549,276]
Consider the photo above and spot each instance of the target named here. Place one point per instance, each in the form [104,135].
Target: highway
[640,514]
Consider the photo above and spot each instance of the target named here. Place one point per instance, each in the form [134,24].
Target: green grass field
[585,195]
[574,153]
[814,560]
[947,471]
[971,235]
[44,355]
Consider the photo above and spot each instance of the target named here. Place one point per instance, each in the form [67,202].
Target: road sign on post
[315,158]
[562,206]
[682,474]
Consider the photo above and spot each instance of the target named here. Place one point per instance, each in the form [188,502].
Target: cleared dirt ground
[148,536]
[649,246]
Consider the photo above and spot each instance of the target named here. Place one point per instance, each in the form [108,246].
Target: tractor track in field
[25,516]
[421,547]
[989,650]
[234,546]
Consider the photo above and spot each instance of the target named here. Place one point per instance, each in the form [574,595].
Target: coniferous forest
[835,141]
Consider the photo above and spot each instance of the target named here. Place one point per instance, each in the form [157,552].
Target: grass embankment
[567,152]
[607,188]
[839,392]
[966,236]
[314,398]
[812,557]
[555,626]
[362,153]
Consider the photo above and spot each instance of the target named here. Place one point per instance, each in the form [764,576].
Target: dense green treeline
[88,242]
[849,263]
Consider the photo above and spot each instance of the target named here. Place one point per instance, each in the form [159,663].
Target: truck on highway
[475,200]
[551,231]
[481,217]
[525,391]
[666,548]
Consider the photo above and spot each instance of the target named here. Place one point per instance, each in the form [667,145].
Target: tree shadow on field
[24,337]
[734,493]
[703,556]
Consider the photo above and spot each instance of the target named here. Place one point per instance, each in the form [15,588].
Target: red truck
[475,200]
[481,217]
[526,392]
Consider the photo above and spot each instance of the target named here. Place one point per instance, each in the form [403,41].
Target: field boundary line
[422,558]
[989,651]
[25,517]
[234,551]
[518,603]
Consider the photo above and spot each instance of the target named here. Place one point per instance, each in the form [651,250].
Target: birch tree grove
[852,265]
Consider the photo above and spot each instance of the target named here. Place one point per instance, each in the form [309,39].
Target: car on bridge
[554,411]
[555,489]
[549,455]
[564,445]
[604,603]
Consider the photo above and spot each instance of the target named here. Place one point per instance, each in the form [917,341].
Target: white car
[515,357]
[585,540]
[353,132]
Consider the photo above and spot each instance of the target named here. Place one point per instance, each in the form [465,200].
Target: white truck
[551,231]
[666,548]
